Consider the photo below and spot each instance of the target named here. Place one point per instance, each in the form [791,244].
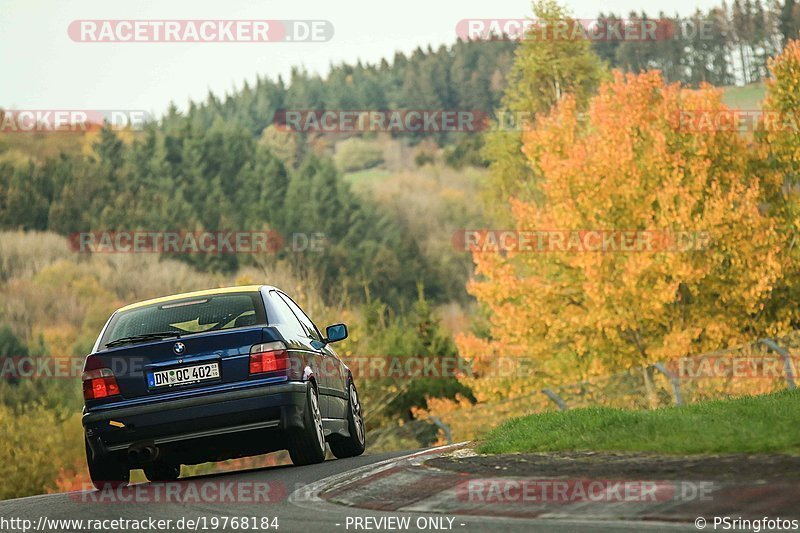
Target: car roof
[206,292]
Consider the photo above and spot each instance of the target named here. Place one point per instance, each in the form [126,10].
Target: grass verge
[749,97]
[755,424]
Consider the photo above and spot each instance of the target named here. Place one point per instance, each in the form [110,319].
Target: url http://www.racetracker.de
[197,523]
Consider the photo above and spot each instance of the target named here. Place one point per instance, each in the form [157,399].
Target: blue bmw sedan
[214,375]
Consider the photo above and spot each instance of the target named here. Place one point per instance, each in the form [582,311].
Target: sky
[43,68]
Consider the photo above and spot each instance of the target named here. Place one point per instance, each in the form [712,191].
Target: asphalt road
[282,484]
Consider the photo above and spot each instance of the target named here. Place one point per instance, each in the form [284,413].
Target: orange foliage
[627,164]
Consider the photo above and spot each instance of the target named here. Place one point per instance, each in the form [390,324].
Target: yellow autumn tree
[628,163]
[778,161]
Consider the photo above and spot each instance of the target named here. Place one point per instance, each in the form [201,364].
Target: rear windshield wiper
[143,337]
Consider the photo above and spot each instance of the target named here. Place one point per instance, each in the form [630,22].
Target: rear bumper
[174,423]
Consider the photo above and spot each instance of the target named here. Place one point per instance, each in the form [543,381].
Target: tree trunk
[649,386]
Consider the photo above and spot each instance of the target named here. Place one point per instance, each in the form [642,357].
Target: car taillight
[268,357]
[99,383]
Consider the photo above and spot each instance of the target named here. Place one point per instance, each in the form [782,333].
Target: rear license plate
[183,376]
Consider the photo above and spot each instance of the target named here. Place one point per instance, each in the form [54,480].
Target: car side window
[285,315]
[313,332]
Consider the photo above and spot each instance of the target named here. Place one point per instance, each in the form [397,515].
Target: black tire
[106,472]
[160,471]
[356,443]
[307,445]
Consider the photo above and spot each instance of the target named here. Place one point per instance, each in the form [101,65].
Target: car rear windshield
[187,316]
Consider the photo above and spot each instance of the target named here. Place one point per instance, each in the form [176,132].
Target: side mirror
[335,333]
